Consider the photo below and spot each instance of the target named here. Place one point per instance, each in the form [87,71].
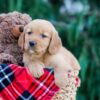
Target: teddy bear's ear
[21,28]
[17,30]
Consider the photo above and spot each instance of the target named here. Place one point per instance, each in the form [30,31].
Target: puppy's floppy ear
[55,44]
[17,30]
[21,41]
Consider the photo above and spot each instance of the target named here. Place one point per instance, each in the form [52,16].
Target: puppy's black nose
[32,43]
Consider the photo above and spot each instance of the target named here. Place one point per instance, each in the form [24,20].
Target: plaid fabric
[16,83]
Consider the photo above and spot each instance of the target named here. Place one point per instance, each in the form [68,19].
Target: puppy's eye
[43,35]
[29,33]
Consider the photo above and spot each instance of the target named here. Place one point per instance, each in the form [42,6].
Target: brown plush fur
[10,24]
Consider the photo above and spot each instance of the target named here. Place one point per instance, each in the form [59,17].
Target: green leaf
[84,61]
[80,96]
[91,19]
[79,26]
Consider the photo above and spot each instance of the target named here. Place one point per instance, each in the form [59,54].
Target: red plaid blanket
[16,83]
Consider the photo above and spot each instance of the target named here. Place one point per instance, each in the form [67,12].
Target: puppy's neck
[32,57]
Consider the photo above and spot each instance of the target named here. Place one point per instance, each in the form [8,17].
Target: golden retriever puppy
[42,47]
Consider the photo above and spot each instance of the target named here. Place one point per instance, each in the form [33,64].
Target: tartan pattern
[16,83]
[5,77]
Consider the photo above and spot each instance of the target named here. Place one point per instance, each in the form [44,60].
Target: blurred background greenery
[78,23]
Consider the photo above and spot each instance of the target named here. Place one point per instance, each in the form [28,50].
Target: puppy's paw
[61,83]
[36,70]
[61,80]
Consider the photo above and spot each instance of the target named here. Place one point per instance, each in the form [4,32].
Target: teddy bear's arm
[7,59]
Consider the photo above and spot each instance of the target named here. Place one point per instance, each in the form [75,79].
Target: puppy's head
[40,37]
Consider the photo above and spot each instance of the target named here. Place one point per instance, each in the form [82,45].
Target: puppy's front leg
[61,77]
[36,69]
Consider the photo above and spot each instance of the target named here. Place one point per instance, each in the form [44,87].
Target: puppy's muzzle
[32,43]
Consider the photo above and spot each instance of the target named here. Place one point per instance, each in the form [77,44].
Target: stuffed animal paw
[7,59]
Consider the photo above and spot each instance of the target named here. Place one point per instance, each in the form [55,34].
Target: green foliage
[79,33]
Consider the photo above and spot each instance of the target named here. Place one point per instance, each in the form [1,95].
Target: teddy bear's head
[10,26]
[10,29]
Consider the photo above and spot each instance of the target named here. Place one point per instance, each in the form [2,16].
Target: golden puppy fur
[47,51]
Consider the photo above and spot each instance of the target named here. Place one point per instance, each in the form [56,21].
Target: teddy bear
[10,28]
